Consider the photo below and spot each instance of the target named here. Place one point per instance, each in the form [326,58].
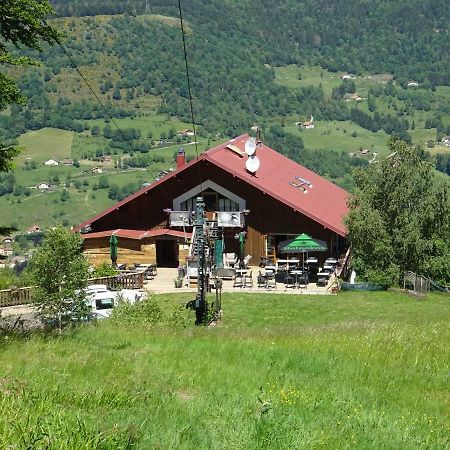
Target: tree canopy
[399,218]
[22,23]
[60,272]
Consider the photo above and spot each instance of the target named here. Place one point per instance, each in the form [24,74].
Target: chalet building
[185,133]
[278,200]
[51,162]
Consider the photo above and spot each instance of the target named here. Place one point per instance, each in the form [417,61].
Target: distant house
[33,229]
[67,162]
[184,133]
[364,151]
[413,84]
[43,186]
[105,158]
[446,141]
[7,240]
[7,251]
[51,162]
[97,170]
[355,97]
[308,124]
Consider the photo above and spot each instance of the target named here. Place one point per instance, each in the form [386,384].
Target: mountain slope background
[251,63]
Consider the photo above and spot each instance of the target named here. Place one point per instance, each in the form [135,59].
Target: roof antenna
[251,145]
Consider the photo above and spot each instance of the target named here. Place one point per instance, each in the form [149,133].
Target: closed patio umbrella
[113,244]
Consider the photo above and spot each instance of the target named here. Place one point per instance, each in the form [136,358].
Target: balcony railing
[226,219]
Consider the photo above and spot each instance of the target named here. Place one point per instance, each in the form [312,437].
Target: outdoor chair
[248,280]
[238,280]
[270,280]
[247,261]
[303,281]
[230,259]
[261,280]
[289,280]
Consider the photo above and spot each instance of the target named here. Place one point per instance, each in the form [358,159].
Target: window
[214,201]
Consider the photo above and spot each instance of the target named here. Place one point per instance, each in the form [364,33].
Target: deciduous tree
[399,217]
[22,23]
[60,272]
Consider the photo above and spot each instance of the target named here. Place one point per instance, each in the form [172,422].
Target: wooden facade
[267,222]
[164,252]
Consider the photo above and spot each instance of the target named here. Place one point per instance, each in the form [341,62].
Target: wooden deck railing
[125,280]
[342,272]
[15,296]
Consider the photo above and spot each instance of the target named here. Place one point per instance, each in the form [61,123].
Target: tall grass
[368,371]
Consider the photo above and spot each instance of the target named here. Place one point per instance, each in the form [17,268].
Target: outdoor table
[296,273]
[288,261]
[331,261]
[241,271]
[324,274]
[311,260]
[272,268]
[328,267]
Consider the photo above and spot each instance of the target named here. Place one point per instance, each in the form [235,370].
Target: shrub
[148,313]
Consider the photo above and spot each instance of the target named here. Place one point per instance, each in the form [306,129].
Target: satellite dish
[252,164]
[250,146]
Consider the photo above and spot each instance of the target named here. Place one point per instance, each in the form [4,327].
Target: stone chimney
[181,158]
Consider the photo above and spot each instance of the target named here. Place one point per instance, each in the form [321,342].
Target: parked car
[130,295]
[102,304]
[103,299]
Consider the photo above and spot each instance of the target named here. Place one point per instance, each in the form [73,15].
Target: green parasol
[302,244]
[113,249]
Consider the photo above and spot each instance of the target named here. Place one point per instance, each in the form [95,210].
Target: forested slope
[409,39]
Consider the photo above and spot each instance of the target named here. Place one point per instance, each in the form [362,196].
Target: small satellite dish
[250,146]
[252,164]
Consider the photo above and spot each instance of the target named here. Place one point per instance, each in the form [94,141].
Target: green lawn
[154,122]
[310,76]
[353,371]
[333,135]
[79,207]
[44,144]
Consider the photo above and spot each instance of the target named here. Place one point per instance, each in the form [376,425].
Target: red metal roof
[324,202]
[136,234]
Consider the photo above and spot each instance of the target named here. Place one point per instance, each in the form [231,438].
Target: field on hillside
[44,144]
[353,371]
[341,136]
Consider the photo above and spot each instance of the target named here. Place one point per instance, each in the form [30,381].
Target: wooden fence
[124,280]
[15,296]
[416,284]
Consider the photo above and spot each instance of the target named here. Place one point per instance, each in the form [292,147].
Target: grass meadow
[46,143]
[353,371]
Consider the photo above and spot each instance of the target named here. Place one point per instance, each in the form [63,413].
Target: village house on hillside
[97,170]
[33,229]
[67,162]
[308,124]
[185,133]
[51,162]
[278,200]
[43,186]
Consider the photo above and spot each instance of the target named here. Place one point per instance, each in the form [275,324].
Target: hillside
[281,68]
